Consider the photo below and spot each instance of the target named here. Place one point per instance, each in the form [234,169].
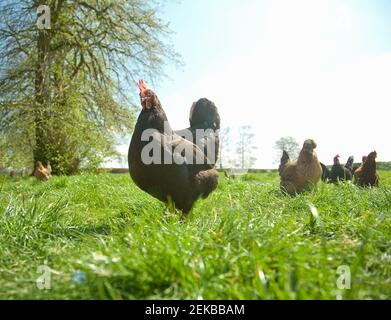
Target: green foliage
[383,165]
[64,92]
[15,152]
[246,241]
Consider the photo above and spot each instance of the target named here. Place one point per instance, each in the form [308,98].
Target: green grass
[246,241]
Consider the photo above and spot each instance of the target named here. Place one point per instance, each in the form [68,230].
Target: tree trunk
[41,150]
[41,96]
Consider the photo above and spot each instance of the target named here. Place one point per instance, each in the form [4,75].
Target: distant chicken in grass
[339,172]
[366,175]
[303,173]
[40,172]
[349,164]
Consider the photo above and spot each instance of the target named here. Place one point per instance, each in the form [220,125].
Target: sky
[317,69]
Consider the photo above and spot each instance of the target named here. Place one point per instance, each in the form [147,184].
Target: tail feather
[284,159]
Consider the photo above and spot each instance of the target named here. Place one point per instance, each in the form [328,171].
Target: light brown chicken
[41,173]
[303,173]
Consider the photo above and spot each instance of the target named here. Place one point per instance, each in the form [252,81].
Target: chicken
[40,172]
[366,175]
[338,172]
[349,164]
[326,174]
[303,173]
[204,128]
[176,171]
[355,167]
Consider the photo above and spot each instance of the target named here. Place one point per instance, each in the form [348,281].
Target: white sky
[307,69]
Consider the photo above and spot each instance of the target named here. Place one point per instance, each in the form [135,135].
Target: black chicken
[178,173]
[204,128]
[349,164]
[339,172]
[326,175]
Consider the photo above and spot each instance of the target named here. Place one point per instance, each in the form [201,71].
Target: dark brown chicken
[162,163]
[366,175]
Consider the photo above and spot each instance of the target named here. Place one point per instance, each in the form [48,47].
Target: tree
[245,147]
[224,147]
[64,89]
[290,145]
[12,150]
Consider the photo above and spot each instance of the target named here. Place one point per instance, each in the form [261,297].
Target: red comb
[141,85]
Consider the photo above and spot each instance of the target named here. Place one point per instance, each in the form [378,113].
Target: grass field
[103,238]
